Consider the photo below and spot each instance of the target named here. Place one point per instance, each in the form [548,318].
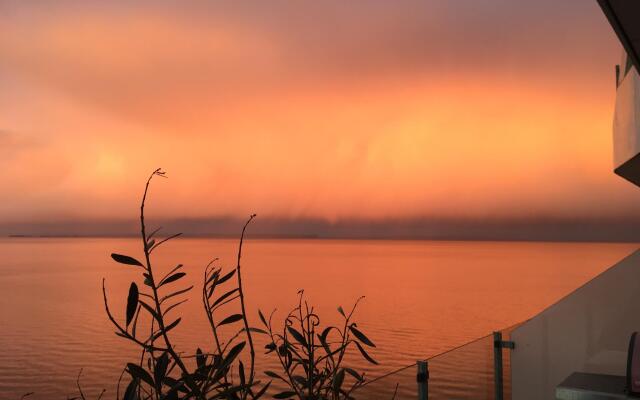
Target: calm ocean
[422,297]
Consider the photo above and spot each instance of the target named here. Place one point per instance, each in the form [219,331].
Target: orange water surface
[422,297]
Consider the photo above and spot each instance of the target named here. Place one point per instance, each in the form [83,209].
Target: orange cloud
[376,119]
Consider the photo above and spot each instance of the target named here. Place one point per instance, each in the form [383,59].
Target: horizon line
[523,229]
[318,237]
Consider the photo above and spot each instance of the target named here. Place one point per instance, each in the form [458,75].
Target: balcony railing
[475,370]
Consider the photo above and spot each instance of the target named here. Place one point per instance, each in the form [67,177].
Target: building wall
[587,331]
[626,120]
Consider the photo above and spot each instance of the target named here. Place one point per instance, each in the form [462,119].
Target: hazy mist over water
[430,228]
[422,297]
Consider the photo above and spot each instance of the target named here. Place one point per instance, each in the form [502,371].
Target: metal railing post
[498,345]
[423,380]
[497,365]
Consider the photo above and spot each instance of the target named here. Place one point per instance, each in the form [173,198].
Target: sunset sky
[492,110]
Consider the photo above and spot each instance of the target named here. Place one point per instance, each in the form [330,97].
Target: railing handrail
[413,365]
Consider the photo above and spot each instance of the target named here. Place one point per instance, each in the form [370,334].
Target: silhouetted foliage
[162,372]
[312,357]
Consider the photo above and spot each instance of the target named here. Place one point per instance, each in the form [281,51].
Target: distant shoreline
[320,238]
[540,229]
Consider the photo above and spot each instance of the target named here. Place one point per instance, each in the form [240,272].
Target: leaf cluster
[312,358]
[163,373]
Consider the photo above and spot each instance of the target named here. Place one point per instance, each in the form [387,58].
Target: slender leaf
[337,380]
[132,302]
[135,321]
[326,347]
[284,395]
[354,373]
[167,328]
[365,355]
[171,307]
[226,277]
[131,393]
[300,380]
[256,330]
[282,350]
[211,289]
[149,236]
[179,292]
[231,319]
[201,359]
[263,319]
[223,297]
[241,373]
[341,311]
[361,337]
[297,335]
[149,309]
[122,259]
[164,240]
[172,325]
[140,373]
[274,375]
[161,369]
[270,347]
[177,267]
[326,331]
[175,385]
[232,354]
[172,278]
[262,391]
[215,274]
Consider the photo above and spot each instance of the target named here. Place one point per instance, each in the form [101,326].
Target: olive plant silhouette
[312,358]
[162,372]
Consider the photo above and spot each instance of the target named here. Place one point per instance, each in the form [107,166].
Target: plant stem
[244,312]
[160,318]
